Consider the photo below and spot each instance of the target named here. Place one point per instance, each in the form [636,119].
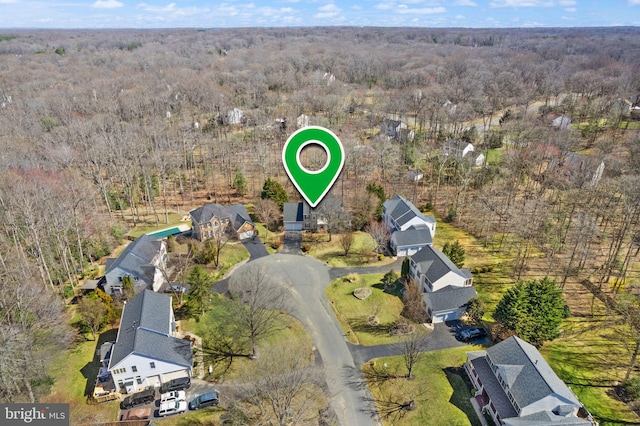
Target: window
[152,364]
[134,368]
[138,380]
[119,370]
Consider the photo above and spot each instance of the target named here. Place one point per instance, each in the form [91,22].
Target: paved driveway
[307,279]
[256,248]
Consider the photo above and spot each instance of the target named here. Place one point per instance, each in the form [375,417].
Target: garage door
[247,234]
[446,316]
[293,227]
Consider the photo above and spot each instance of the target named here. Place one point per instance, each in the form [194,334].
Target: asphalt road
[307,279]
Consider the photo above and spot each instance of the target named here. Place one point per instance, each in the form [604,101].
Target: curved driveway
[307,279]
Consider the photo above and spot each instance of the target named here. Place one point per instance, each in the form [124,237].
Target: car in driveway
[172,407]
[175,288]
[173,396]
[473,333]
[176,384]
[143,397]
[205,400]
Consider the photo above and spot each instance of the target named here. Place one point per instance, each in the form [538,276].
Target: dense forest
[105,130]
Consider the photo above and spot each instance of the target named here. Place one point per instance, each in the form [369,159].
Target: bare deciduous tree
[379,233]
[346,242]
[413,347]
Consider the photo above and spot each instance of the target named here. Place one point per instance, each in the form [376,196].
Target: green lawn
[149,226]
[494,156]
[231,254]
[74,373]
[208,417]
[439,389]
[352,313]
[267,239]
[590,359]
[332,254]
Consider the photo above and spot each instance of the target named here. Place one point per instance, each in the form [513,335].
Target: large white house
[517,387]
[447,288]
[143,260]
[146,352]
[399,214]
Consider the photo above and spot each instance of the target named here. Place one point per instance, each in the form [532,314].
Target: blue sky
[279,13]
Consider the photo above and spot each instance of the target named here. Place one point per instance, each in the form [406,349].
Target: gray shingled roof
[239,215]
[435,264]
[449,298]
[145,329]
[292,212]
[403,210]
[491,385]
[205,213]
[136,259]
[535,380]
[545,418]
[413,236]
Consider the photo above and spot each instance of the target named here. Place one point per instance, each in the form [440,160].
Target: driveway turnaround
[307,278]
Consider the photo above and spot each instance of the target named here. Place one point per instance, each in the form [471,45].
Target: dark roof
[293,212]
[145,329]
[413,236]
[546,418]
[403,210]
[491,385]
[529,376]
[239,215]
[136,259]
[449,298]
[205,213]
[435,264]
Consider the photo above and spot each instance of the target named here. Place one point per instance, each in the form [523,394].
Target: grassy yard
[589,358]
[74,374]
[332,254]
[208,417]
[289,331]
[352,313]
[149,225]
[439,389]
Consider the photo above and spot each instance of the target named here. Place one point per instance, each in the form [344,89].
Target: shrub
[632,388]
[381,256]
[306,248]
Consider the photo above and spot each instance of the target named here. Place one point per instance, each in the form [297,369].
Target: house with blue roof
[447,288]
[143,260]
[517,387]
[147,351]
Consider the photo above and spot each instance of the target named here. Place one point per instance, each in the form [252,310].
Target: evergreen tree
[404,271]
[389,278]
[533,310]
[272,190]
[455,252]
[378,191]
[201,282]
[239,183]
[476,309]
[127,287]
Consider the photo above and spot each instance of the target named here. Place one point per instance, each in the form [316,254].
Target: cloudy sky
[251,13]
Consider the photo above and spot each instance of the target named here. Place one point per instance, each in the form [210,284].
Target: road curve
[307,278]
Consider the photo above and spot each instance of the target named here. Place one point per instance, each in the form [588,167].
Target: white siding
[144,370]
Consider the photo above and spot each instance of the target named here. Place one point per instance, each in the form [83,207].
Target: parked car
[138,398]
[471,334]
[205,400]
[175,288]
[137,414]
[172,407]
[173,396]
[176,384]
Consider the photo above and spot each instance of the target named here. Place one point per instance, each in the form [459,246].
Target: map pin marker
[313,185]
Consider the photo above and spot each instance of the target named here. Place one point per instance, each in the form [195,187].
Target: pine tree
[533,310]
[272,190]
[378,191]
[239,183]
[455,252]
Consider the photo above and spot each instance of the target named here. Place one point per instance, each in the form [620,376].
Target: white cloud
[567,2]
[465,3]
[384,6]
[568,18]
[107,4]
[521,3]
[634,2]
[328,11]
[403,9]
[171,7]
[570,10]
[8,1]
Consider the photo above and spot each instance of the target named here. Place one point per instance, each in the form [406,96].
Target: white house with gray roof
[399,214]
[517,387]
[143,260]
[448,289]
[147,352]
[411,240]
